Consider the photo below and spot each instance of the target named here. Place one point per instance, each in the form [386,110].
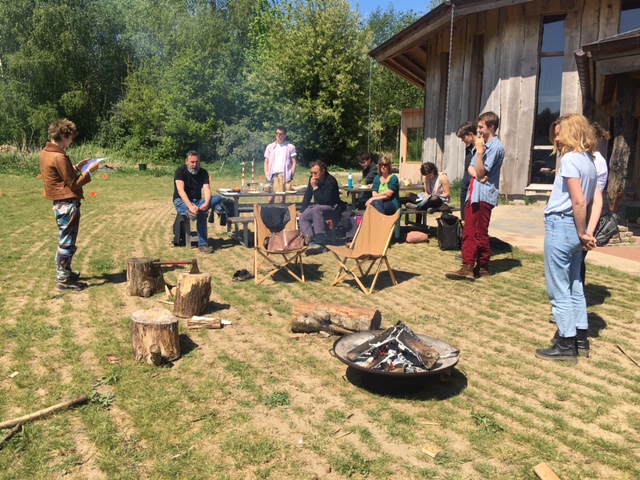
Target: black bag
[607,227]
[449,232]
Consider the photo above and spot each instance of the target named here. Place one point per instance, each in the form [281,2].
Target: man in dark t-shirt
[189,182]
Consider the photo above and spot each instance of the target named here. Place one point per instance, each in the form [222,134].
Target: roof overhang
[405,53]
[619,54]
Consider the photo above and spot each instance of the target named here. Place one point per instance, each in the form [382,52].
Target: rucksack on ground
[449,232]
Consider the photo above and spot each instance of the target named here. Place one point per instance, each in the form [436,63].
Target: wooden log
[154,336]
[192,294]
[46,411]
[211,323]
[544,472]
[145,278]
[307,317]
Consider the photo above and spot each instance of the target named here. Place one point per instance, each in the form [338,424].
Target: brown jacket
[61,180]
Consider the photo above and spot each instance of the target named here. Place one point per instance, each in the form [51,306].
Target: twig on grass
[41,413]
[8,436]
[627,355]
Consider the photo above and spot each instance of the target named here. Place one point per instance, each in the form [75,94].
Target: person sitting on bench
[190,181]
[437,190]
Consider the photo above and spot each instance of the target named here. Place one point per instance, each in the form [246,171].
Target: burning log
[192,294]
[309,317]
[144,277]
[154,336]
[397,349]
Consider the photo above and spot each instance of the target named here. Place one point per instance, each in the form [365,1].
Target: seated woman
[437,189]
[385,189]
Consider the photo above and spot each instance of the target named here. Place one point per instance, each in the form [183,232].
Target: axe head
[194,267]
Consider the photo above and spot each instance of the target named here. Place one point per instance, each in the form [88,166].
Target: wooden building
[528,61]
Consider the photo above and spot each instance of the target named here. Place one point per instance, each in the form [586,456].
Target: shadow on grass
[595,294]
[504,265]
[187,345]
[384,280]
[596,325]
[119,277]
[430,387]
[499,246]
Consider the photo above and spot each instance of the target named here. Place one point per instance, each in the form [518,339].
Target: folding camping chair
[262,254]
[370,244]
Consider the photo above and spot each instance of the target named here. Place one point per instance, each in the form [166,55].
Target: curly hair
[428,168]
[62,128]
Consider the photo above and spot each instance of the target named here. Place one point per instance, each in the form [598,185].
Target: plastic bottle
[350,180]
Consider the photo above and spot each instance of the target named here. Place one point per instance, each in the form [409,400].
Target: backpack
[449,232]
[607,227]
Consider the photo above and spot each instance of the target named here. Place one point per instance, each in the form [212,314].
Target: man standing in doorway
[190,181]
[482,197]
[280,163]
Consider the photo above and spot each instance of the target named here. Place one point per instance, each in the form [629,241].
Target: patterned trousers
[68,220]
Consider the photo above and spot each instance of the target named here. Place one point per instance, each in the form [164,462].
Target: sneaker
[410,205]
[73,276]
[192,216]
[431,210]
[71,285]
[444,207]
[206,249]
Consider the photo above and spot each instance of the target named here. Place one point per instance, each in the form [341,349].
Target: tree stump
[145,278]
[192,294]
[307,317]
[154,336]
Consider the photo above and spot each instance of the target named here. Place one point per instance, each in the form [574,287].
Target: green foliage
[280,398]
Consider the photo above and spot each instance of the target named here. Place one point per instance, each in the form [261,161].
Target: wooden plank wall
[511,39]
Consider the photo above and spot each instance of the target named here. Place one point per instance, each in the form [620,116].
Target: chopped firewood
[431,451]
[197,322]
[543,472]
[309,317]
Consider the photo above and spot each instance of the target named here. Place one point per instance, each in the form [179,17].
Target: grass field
[254,401]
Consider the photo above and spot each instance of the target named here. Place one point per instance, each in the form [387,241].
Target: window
[629,15]
[549,93]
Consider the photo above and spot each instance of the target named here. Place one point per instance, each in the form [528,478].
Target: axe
[194,265]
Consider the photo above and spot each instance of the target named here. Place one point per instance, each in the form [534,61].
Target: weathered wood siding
[509,79]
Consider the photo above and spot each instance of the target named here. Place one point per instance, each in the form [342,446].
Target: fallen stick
[41,413]
[627,355]
[13,431]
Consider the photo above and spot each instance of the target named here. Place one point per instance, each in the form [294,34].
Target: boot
[582,342]
[482,271]
[564,350]
[465,273]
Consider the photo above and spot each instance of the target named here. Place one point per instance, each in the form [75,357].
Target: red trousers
[475,235]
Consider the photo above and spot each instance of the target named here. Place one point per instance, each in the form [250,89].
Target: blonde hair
[576,135]
[386,159]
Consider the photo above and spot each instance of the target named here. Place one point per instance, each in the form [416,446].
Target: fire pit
[352,350]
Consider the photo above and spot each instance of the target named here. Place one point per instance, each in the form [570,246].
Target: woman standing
[570,222]
[385,188]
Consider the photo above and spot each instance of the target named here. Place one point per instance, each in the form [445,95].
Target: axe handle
[182,262]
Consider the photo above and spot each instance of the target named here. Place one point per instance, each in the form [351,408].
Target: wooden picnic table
[356,192]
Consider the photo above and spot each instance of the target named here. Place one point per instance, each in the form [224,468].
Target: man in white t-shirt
[280,163]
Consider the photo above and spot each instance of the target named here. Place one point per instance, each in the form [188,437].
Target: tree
[389,93]
[308,71]
[58,60]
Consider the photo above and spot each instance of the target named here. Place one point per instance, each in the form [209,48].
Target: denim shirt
[493,157]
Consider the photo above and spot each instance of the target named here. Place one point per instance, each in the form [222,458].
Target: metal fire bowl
[449,355]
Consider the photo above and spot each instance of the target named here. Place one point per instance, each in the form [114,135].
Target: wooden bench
[239,223]
[421,216]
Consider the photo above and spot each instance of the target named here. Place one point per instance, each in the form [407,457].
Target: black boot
[564,350]
[582,343]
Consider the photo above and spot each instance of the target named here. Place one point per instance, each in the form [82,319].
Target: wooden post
[309,317]
[145,278]
[192,294]
[154,336]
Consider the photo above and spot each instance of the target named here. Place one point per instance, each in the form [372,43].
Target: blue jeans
[201,222]
[562,259]
[68,220]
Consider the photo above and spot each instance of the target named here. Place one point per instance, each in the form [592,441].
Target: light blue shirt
[572,165]
[489,191]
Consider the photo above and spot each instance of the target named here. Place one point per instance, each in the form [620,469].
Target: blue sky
[367,6]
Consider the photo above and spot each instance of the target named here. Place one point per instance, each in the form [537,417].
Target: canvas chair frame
[368,250]
[280,261]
